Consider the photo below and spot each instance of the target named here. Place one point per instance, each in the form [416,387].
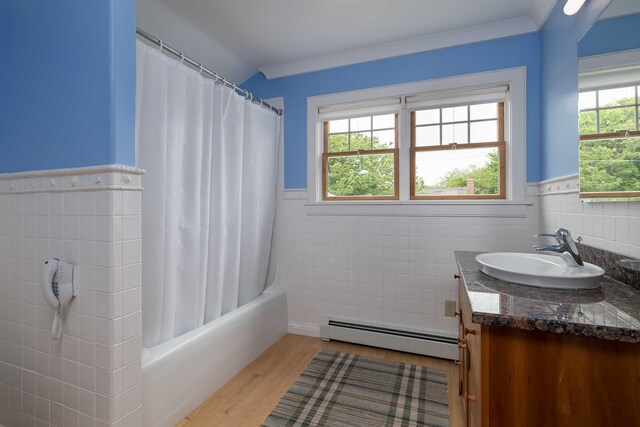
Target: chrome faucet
[566,247]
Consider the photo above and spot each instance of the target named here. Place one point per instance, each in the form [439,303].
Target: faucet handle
[546,235]
[566,247]
[554,235]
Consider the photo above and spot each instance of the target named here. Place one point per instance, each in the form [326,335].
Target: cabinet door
[469,340]
[473,379]
[461,358]
[463,362]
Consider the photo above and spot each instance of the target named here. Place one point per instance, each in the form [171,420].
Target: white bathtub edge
[179,375]
[151,355]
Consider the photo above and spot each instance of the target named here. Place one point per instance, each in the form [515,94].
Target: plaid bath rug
[341,389]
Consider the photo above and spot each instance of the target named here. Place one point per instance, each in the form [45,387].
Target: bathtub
[180,374]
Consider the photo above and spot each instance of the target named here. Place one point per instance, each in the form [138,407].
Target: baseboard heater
[372,335]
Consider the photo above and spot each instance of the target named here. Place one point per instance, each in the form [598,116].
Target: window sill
[421,208]
[477,202]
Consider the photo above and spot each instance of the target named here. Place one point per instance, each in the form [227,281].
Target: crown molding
[540,11]
[479,33]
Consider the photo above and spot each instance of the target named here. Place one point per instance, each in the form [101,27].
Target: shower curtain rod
[183,58]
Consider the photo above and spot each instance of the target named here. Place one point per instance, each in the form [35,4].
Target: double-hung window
[455,139]
[609,141]
[458,152]
[360,158]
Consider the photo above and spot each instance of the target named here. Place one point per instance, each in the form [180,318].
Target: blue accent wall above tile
[68,83]
[559,87]
[489,55]
[611,35]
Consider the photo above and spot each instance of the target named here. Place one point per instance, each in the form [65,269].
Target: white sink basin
[545,271]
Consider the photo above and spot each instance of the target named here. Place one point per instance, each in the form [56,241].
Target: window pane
[461,113]
[338,126]
[620,96]
[484,131]
[427,117]
[427,135]
[587,123]
[360,123]
[368,175]
[610,165]
[454,114]
[457,172]
[338,142]
[484,111]
[617,119]
[384,139]
[384,122]
[454,133]
[587,100]
[360,141]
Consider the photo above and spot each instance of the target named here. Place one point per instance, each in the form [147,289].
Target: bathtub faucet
[566,247]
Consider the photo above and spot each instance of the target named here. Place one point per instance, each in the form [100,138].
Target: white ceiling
[621,7]
[283,37]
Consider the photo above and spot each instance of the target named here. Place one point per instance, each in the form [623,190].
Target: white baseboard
[307,329]
[386,336]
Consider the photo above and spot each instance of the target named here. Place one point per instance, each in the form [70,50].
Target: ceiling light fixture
[572,7]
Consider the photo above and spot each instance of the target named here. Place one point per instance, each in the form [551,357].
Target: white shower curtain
[209,196]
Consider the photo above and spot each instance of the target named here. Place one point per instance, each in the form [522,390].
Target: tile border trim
[561,185]
[93,178]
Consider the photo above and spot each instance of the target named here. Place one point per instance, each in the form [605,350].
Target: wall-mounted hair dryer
[59,288]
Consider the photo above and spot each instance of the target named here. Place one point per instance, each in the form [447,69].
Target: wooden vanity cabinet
[516,378]
[469,341]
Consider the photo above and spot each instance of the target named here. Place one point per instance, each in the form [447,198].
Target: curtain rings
[216,77]
[201,68]
[181,57]
[161,45]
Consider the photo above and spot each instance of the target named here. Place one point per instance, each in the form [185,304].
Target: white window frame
[515,132]
[597,72]
[610,68]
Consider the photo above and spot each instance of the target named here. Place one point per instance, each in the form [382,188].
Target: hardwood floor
[250,396]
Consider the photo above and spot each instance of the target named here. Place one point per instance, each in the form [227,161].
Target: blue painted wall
[508,52]
[67,83]
[123,83]
[611,35]
[559,87]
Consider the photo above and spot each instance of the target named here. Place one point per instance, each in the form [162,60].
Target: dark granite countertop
[611,312]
